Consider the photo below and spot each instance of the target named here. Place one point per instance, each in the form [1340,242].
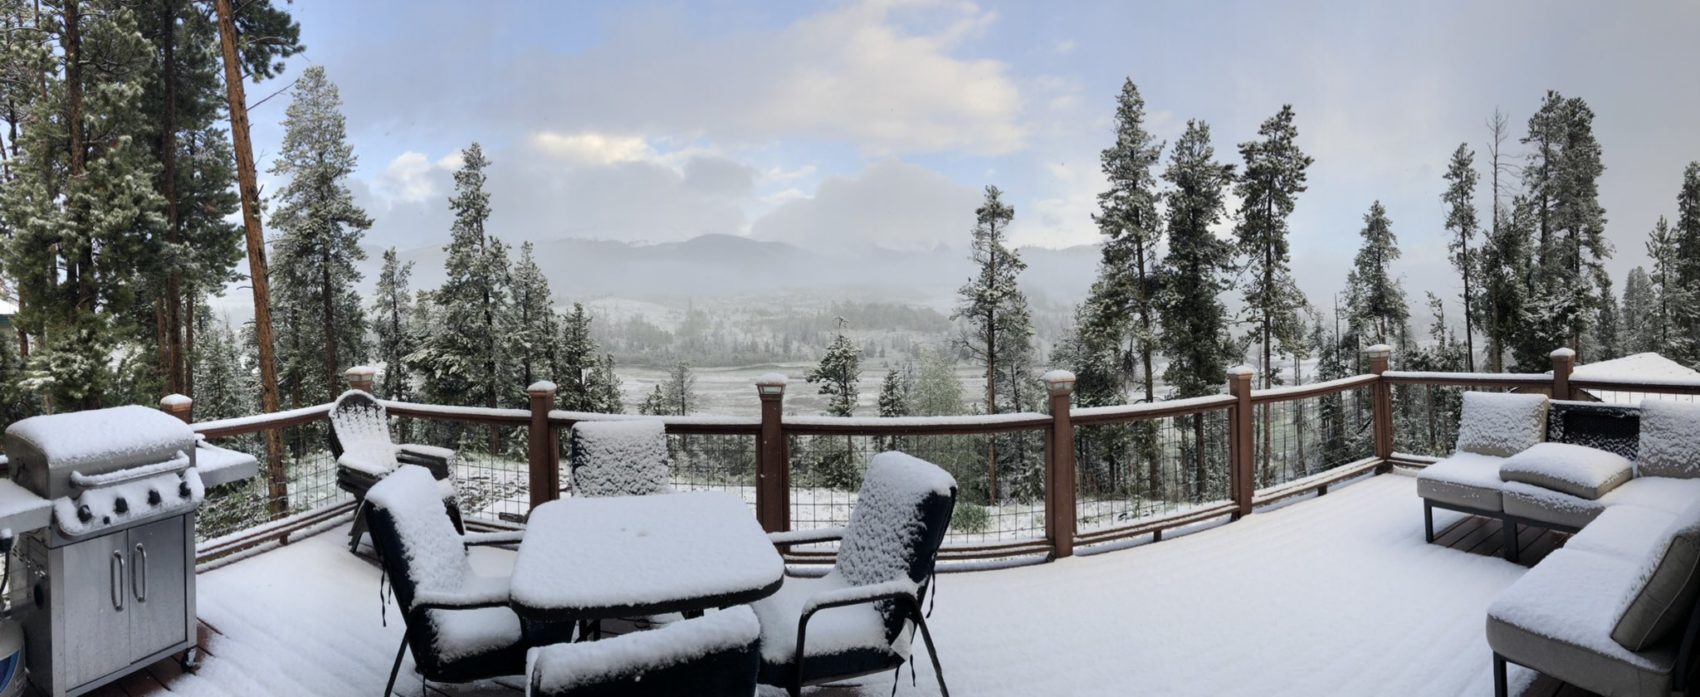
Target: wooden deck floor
[1478,535]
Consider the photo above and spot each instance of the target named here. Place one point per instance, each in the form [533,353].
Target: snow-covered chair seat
[620,458]
[459,625]
[1613,612]
[859,618]
[1491,426]
[711,655]
[1575,473]
[360,440]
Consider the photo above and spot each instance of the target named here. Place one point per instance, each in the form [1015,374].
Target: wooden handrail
[1411,377]
[1317,389]
[1151,410]
[243,425]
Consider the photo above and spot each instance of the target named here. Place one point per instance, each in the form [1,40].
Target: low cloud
[891,204]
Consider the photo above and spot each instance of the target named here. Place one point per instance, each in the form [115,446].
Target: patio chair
[459,625]
[620,458]
[711,655]
[360,440]
[871,599]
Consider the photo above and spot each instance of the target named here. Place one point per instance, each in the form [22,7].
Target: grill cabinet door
[97,577]
[158,617]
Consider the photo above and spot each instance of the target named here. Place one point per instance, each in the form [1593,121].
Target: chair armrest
[425,452]
[486,592]
[902,588]
[506,537]
[802,537]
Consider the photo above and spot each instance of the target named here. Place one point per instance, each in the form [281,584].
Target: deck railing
[1031,484]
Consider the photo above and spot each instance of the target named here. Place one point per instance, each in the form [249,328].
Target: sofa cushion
[1464,479]
[1670,439]
[1666,597]
[1628,533]
[1555,509]
[1572,469]
[1553,620]
[1501,424]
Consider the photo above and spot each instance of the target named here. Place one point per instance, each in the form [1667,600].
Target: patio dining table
[627,556]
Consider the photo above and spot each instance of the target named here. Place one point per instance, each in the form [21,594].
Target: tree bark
[328,316]
[248,186]
[173,348]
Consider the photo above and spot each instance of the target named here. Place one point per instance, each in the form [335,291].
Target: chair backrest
[898,524]
[620,458]
[417,545]
[1670,439]
[1501,424]
[359,425]
[1614,428]
[716,654]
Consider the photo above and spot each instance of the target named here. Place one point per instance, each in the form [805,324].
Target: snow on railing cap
[540,387]
[1241,369]
[1379,350]
[175,400]
[1565,352]
[359,370]
[1056,376]
[771,379]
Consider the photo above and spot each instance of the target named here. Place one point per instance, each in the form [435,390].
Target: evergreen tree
[577,357]
[1672,298]
[655,404]
[1562,177]
[534,336]
[314,258]
[895,394]
[1274,176]
[837,375]
[394,335]
[938,392]
[679,393]
[1504,255]
[1687,233]
[1379,314]
[1194,323]
[1461,223]
[999,326]
[225,389]
[604,387]
[1638,332]
[465,360]
[1605,343]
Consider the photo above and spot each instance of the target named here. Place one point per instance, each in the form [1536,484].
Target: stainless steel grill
[111,578]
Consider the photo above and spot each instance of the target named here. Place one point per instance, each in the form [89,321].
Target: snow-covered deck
[1338,595]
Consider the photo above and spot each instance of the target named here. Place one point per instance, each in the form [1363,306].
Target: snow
[1055,376]
[1501,424]
[771,379]
[1563,352]
[1241,369]
[21,509]
[1670,439]
[692,420]
[1497,378]
[1026,417]
[177,463]
[1337,595]
[101,438]
[620,551]
[364,432]
[1205,402]
[1572,469]
[1629,533]
[831,631]
[619,458]
[103,502]
[562,667]
[1278,393]
[222,465]
[1650,369]
[173,400]
[1576,597]
[257,420]
[540,386]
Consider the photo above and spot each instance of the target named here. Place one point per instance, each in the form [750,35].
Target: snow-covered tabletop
[622,556]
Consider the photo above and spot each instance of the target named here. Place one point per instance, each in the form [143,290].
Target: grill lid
[45,450]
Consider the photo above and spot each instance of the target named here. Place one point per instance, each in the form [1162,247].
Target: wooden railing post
[544,445]
[179,406]
[1563,363]
[360,377]
[1381,406]
[773,460]
[1059,465]
[1242,485]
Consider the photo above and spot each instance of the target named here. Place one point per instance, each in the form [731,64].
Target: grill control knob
[183,489]
[153,497]
[120,505]
[84,514]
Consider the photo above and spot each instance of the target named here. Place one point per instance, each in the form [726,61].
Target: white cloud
[592,148]
[891,204]
[407,178]
[1064,47]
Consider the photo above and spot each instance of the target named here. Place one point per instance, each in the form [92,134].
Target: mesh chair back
[620,458]
[897,526]
[359,425]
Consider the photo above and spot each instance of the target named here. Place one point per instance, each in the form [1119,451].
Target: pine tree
[1121,309]
[320,231]
[465,360]
[999,333]
[1504,256]
[895,394]
[1274,176]
[837,375]
[1379,314]
[1194,322]
[1687,233]
[1607,338]
[533,335]
[576,357]
[1562,177]
[1461,223]
[1638,300]
[224,388]
[655,404]
[394,336]
[81,208]
[604,387]
[679,394]
[1672,298]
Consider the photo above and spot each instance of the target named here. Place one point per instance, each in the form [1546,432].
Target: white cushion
[1501,423]
[1572,469]
[1670,439]
[1464,479]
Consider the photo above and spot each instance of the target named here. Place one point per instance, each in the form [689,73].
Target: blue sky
[844,124]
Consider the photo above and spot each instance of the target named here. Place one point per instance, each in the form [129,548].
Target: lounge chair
[360,440]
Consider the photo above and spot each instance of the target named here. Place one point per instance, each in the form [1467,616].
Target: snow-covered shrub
[970,518]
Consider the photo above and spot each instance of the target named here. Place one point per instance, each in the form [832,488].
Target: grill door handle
[117,585]
[139,573]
